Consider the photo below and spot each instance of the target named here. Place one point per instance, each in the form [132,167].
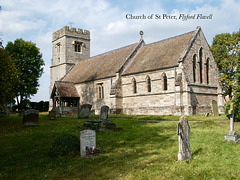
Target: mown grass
[142,150]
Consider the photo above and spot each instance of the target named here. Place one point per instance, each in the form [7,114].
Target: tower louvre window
[78,46]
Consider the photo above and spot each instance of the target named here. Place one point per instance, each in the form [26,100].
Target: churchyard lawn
[146,148]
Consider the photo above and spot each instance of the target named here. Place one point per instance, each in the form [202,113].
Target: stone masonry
[180,71]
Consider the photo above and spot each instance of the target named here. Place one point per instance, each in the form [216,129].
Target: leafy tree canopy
[29,62]
[8,78]
[236,99]
[225,49]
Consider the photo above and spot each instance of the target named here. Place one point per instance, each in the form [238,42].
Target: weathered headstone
[183,132]
[104,112]
[87,142]
[207,114]
[214,108]
[30,117]
[232,135]
[84,111]
[103,123]
[52,114]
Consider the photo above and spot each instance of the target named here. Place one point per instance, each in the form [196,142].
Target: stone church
[174,76]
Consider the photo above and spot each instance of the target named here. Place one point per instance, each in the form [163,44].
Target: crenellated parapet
[66,31]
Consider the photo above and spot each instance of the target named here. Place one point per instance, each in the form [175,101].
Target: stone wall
[64,56]
[158,101]
[88,92]
[203,93]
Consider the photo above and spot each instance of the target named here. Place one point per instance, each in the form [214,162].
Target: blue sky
[35,21]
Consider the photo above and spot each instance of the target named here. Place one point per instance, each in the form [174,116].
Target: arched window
[165,83]
[207,70]
[194,67]
[164,77]
[100,91]
[200,64]
[148,82]
[134,85]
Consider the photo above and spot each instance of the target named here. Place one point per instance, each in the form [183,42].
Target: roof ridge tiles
[171,38]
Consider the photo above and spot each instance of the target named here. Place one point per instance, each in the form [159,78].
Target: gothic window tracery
[100,91]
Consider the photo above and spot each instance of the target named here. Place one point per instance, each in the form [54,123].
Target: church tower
[68,47]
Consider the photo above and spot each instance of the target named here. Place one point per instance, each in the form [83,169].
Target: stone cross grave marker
[87,142]
[214,108]
[84,111]
[183,132]
[232,135]
[104,113]
[30,117]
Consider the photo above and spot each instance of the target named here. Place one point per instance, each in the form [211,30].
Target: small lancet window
[200,64]
[165,86]
[194,67]
[148,80]
[100,90]
[207,70]
[134,85]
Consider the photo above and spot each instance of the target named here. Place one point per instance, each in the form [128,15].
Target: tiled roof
[159,55]
[101,66]
[66,89]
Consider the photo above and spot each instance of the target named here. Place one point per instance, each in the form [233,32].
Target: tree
[236,99]
[8,78]
[225,49]
[29,62]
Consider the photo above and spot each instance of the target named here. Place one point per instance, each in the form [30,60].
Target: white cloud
[36,21]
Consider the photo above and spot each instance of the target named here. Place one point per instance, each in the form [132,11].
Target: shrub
[227,108]
[65,145]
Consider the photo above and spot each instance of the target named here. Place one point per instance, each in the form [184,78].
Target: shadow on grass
[136,147]
[195,153]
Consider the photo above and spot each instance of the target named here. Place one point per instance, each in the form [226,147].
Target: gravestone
[104,112]
[214,108]
[30,117]
[84,111]
[87,142]
[207,114]
[183,132]
[232,135]
[103,123]
[52,114]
